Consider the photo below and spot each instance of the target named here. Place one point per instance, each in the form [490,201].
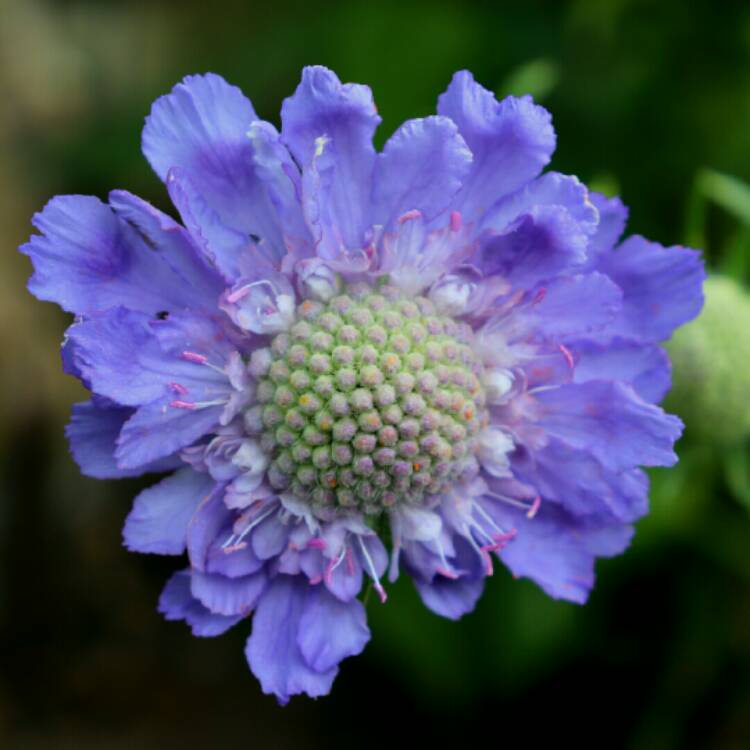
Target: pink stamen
[349,561]
[540,295]
[501,540]
[328,575]
[447,573]
[317,543]
[237,295]
[456,221]
[234,547]
[415,213]
[568,356]
[534,507]
[316,580]
[486,557]
[199,359]
[373,573]
[381,592]
[183,405]
[177,388]
[332,565]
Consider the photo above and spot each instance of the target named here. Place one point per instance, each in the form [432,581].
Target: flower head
[361,364]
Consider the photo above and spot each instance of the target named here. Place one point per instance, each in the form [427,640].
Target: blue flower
[436,348]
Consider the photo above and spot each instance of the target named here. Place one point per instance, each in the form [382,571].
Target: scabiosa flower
[362,364]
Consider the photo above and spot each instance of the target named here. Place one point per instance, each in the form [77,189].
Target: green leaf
[729,192]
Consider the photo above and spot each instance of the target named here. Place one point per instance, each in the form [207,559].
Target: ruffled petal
[511,140]
[270,537]
[448,597]
[558,551]
[228,596]
[646,367]
[227,249]
[543,243]
[568,306]
[662,287]
[174,245]
[177,603]
[333,124]
[232,562]
[330,630]
[273,651]
[550,189]
[88,259]
[421,167]
[579,483]
[211,524]
[202,129]
[609,420]
[344,581]
[613,216]
[120,356]
[159,520]
[160,429]
[93,432]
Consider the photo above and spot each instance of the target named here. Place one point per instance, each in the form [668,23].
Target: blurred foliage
[651,100]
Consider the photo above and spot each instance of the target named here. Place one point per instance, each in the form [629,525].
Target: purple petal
[646,367]
[160,429]
[210,525]
[224,247]
[541,244]
[662,287]
[330,630]
[270,537]
[608,420]
[511,141]
[583,486]
[273,650]
[228,596]
[453,597]
[566,307]
[201,128]
[122,359]
[558,551]
[345,582]
[174,244]
[275,167]
[422,167]
[343,116]
[450,598]
[576,304]
[613,216]
[92,433]
[177,603]
[202,124]
[87,259]
[159,520]
[232,562]
[551,189]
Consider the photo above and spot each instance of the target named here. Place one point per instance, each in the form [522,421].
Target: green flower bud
[711,366]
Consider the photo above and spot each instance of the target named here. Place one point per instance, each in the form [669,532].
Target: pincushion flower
[359,365]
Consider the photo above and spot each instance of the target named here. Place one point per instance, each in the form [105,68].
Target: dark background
[650,100]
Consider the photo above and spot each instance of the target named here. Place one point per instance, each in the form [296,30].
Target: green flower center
[369,400]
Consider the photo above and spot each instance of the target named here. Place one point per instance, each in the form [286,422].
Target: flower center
[369,400]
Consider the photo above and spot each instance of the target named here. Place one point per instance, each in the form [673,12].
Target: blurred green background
[650,100]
